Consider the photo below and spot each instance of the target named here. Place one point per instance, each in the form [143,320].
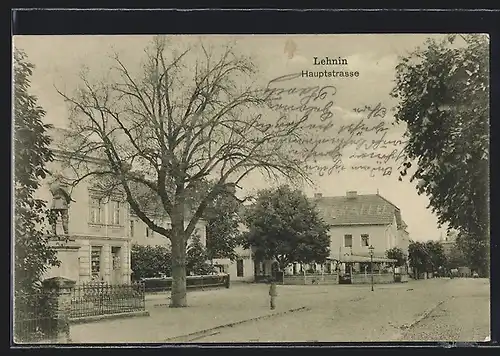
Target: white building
[360,221]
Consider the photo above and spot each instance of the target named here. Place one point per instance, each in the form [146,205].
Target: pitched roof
[365,209]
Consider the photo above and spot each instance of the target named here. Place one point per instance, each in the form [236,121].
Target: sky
[59,59]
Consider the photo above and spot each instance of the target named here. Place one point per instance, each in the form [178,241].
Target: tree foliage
[197,258]
[426,256]
[184,117]
[223,219]
[443,93]
[32,253]
[150,261]
[473,251]
[456,258]
[397,253]
[284,225]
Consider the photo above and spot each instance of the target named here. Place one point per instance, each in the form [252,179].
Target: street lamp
[371,248]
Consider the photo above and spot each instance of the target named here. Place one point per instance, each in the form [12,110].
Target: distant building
[243,268]
[358,221]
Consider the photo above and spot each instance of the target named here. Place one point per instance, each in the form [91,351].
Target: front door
[116,268]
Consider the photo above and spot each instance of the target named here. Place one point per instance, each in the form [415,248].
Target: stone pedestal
[67,254]
[58,291]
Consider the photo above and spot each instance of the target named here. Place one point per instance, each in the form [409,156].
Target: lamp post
[371,248]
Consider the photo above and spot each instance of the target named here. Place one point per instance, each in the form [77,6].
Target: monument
[61,201]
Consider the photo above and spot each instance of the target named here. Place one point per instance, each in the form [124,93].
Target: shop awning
[355,259]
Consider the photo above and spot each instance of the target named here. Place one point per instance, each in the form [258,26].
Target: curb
[91,319]
[422,316]
[207,332]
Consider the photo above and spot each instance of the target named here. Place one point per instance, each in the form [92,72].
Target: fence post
[228,280]
[58,291]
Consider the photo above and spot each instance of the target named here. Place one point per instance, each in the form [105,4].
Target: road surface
[450,310]
[435,309]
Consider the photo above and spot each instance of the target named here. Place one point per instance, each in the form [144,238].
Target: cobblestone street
[310,313]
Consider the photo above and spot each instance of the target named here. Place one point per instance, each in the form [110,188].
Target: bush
[150,261]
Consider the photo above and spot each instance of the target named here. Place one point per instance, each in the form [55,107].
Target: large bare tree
[175,123]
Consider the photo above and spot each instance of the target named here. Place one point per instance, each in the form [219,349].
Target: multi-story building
[102,227]
[360,221]
[99,248]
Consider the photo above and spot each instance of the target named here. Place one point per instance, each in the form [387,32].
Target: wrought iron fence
[101,298]
[33,318]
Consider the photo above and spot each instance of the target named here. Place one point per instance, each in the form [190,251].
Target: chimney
[318,195]
[351,194]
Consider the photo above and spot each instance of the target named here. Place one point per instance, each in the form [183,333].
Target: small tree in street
[397,253]
[285,226]
[172,125]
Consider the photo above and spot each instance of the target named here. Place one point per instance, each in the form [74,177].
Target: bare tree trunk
[179,242]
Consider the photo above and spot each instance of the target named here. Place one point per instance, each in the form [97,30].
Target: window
[131,228]
[365,240]
[115,253]
[95,261]
[147,231]
[347,240]
[96,211]
[115,212]
[239,268]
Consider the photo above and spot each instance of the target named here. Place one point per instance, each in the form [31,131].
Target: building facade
[99,247]
[360,221]
[139,233]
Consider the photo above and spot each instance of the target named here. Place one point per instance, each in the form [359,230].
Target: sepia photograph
[250,188]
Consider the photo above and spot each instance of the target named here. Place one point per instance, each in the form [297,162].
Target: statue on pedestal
[61,200]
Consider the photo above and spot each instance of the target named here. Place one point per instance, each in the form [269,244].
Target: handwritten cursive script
[335,139]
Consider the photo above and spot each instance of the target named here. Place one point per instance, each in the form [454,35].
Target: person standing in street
[273,294]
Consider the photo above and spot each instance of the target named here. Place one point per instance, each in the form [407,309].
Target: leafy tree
[197,258]
[443,93]
[435,256]
[426,256]
[396,253]
[32,253]
[182,118]
[455,258]
[150,261]
[284,225]
[417,258]
[473,253]
[223,220]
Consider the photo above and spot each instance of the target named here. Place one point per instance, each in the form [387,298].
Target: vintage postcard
[264,188]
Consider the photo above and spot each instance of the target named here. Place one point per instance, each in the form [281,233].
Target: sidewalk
[207,309]
[350,305]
